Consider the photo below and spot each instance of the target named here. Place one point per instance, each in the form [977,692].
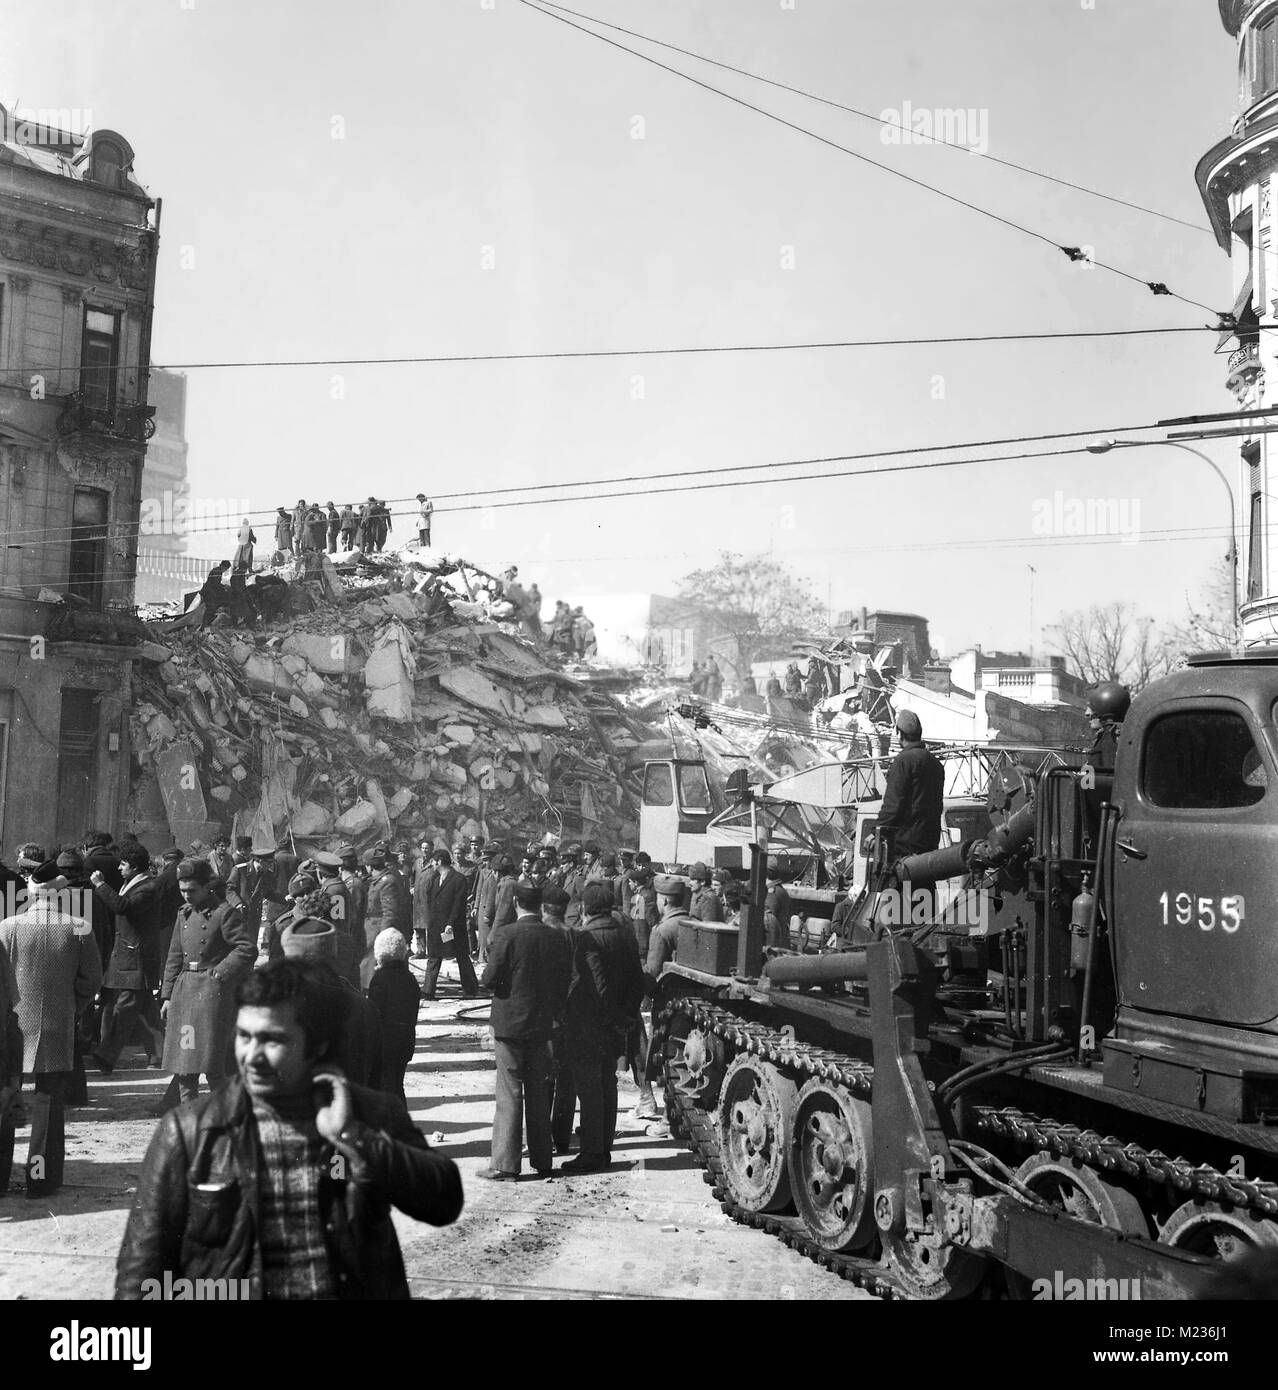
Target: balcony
[124,423]
[1246,379]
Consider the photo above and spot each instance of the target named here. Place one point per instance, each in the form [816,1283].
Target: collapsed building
[379,697]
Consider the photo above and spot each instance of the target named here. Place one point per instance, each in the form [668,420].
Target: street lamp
[1103,446]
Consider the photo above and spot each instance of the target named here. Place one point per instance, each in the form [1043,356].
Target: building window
[108,164]
[77,763]
[88,544]
[1262,62]
[98,354]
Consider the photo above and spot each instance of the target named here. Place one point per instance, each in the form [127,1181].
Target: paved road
[647,1229]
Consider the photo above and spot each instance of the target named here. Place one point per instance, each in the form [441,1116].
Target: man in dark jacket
[252,885]
[285,1178]
[446,901]
[529,966]
[133,969]
[914,798]
[607,987]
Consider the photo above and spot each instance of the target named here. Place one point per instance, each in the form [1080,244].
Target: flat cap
[668,885]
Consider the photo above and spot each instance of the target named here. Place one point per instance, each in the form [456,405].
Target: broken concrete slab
[331,654]
[475,689]
[388,674]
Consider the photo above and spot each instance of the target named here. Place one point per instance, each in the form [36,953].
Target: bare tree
[1113,643]
[1211,623]
[757,603]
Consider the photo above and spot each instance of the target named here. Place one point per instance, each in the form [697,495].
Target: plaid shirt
[295,1260]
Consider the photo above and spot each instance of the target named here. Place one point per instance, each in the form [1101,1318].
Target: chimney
[936,677]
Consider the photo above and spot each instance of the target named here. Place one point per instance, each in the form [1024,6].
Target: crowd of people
[364,526]
[213,962]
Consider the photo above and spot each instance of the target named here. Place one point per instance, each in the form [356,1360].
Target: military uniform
[209,954]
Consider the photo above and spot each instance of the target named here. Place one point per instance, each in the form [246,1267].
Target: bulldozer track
[700,1131]
[1105,1154]
[1109,1155]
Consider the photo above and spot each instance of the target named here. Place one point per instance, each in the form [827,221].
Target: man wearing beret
[56,968]
[211,951]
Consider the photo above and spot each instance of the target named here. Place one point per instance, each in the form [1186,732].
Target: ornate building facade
[1237,178]
[78,239]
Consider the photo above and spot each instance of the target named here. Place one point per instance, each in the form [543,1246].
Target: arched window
[1261,59]
[108,163]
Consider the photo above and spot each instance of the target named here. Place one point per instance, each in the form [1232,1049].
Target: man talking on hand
[285,1178]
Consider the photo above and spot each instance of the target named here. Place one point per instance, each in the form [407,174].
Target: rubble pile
[379,703]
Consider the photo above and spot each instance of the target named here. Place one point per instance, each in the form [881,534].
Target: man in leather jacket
[285,1178]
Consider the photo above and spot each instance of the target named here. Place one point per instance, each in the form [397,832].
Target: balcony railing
[123,422]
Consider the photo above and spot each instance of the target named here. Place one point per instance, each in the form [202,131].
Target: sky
[472,177]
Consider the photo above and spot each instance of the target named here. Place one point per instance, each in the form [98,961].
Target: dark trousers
[348,539]
[423,535]
[523,1102]
[593,1058]
[398,1042]
[332,536]
[459,950]
[128,1009]
[46,1157]
[563,1108]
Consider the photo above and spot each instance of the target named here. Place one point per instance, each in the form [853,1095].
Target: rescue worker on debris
[316,527]
[213,593]
[299,526]
[793,681]
[334,526]
[705,905]
[425,513]
[1107,706]
[348,522]
[283,531]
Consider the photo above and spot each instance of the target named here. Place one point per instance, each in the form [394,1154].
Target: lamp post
[1103,446]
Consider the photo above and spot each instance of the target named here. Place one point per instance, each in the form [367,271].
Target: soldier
[283,531]
[328,869]
[211,950]
[644,913]
[389,905]
[251,886]
[356,892]
[1107,706]
[573,883]
[705,905]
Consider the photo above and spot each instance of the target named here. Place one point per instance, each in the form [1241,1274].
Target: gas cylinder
[1082,923]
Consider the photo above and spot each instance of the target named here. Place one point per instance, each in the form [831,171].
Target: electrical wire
[525,489]
[1074,253]
[882,121]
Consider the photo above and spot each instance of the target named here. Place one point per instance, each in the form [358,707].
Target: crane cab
[676,811]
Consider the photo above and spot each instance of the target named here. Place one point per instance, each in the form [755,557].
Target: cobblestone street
[647,1229]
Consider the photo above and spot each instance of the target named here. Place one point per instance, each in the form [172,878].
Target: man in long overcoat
[57,969]
[211,951]
[133,970]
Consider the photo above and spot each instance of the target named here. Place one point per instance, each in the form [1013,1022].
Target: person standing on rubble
[211,951]
[316,526]
[425,512]
[334,526]
[446,934]
[348,523]
[299,526]
[283,531]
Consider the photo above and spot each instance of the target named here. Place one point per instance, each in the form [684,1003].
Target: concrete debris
[386,698]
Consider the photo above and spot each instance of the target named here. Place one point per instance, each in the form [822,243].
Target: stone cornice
[1236,160]
[43,245]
